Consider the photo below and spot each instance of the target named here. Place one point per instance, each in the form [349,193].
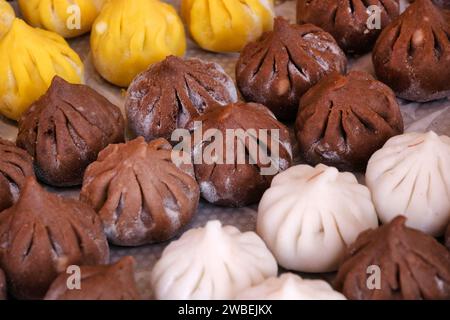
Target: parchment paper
[417,117]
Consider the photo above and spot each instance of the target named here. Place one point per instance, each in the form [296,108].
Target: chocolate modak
[343,120]
[170,93]
[42,234]
[141,195]
[280,67]
[412,54]
[101,282]
[410,265]
[65,129]
[242,148]
[352,23]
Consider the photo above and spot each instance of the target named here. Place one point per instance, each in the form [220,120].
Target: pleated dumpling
[412,54]
[410,176]
[290,286]
[30,59]
[227,25]
[7,16]
[129,36]
[310,215]
[141,194]
[69,18]
[213,262]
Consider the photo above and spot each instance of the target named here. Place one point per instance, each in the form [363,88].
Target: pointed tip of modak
[172,59]
[57,80]
[280,23]
[171,63]
[397,223]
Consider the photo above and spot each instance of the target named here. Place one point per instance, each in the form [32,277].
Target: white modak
[290,286]
[310,215]
[410,176]
[214,262]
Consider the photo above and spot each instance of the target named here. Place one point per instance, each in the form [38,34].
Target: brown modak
[42,234]
[15,165]
[412,54]
[352,23]
[170,93]
[280,67]
[343,120]
[65,129]
[402,263]
[237,150]
[102,282]
[141,195]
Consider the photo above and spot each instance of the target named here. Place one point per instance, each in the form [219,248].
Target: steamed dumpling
[227,25]
[310,215]
[213,262]
[410,176]
[128,36]
[69,18]
[27,71]
[7,16]
[290,286]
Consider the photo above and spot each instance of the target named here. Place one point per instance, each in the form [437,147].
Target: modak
[412,55]
[66,129]
[68,18]
[227,25]
[42,235]
[128,36]
[27,70]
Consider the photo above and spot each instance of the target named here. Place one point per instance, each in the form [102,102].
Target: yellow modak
[30,58]
[227,25]
[69,18]
[7,16]
[129,36]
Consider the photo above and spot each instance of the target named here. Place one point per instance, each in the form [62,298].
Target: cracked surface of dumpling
[142,194]
[277,69]
[172,92]
[65,129]
[15,165]
[7,16]
[227,25]
[290,286]
[310,215]
[410,176]
[43,234]
[400,262]
[211,263]
[27,70]
[412,54]
[100,282]
[129,36]
[343,120]
[349,21]
[68,18]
